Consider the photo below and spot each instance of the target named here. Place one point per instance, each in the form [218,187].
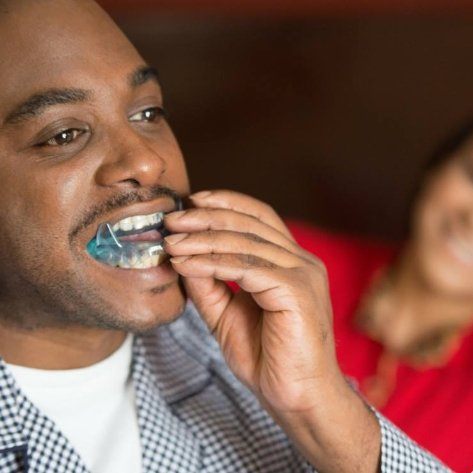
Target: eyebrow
[142,75]
[37,103]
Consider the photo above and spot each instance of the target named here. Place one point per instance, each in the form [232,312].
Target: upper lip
[162,205]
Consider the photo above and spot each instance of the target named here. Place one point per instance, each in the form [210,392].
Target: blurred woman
[403,315]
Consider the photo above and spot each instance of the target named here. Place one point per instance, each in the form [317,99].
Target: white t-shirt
[93,406]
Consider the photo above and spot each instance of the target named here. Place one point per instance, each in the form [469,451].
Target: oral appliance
[134,242]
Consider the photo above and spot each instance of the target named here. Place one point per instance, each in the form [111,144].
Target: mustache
[122,200]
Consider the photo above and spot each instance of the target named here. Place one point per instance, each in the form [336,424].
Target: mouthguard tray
[108,247]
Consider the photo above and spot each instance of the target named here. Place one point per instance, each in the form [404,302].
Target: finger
[242,203]
[204,219]
[210,296]
[227,242]
[255,275]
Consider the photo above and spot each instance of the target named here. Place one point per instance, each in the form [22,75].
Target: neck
[57,348]
[413,319]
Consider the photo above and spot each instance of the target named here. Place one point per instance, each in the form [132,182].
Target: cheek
[176,173]
[445,197]
[426,220]
[50,204]
[176,178]
[41,209]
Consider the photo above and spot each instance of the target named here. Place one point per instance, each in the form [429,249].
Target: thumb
[211,298]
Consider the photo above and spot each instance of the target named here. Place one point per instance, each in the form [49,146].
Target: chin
[155,309]
[142,312]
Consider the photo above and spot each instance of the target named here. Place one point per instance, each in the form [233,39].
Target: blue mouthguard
[107,247]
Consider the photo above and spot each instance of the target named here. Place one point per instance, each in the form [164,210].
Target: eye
[150,115]
[64,138]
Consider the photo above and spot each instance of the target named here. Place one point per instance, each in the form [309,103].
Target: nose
[131,160]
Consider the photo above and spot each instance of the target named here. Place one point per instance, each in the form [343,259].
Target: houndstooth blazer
[193,415]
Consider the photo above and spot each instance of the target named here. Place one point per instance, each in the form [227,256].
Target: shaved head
[9,6]
[83,141]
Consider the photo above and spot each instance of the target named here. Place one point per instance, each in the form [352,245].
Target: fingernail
[200,195]
[177,214]
[176,238]
[179,259]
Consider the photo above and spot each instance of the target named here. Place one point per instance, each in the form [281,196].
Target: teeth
[126,224]
[137,222]
[141,264]
[137,255]
[144,262]
[461,249]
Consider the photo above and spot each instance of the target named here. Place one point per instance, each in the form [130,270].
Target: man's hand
[276,332]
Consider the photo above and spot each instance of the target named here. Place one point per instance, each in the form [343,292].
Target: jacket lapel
[13,444]
[163,374]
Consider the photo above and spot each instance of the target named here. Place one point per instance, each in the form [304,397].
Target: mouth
[134,242]
[462,249]
[460,246]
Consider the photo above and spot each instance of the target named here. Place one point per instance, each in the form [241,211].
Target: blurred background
[325,109]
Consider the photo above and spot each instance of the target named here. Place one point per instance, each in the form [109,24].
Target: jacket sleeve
[401,454]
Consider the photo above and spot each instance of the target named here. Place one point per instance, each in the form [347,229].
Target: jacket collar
[11,430]
[171,363]
[166,369]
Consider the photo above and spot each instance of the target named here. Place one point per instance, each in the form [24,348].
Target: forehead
[60,43]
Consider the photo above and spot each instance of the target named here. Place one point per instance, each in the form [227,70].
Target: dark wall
[328,120]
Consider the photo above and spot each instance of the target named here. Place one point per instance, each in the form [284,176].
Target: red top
[434,406]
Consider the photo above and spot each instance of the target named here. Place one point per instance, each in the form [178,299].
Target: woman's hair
[445,151]
[448,147]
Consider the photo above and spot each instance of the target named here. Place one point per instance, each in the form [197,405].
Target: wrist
[339,433]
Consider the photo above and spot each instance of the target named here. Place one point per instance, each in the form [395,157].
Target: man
[84,144]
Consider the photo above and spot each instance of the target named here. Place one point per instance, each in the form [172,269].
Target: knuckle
[215,257]
[251,261]
[211,235]
[251,221]
[254,238]
[206,213]
[313,272]
[320,267]
[298,275]
[247,261]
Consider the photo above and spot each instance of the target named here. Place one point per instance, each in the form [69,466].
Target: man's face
[82,142]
